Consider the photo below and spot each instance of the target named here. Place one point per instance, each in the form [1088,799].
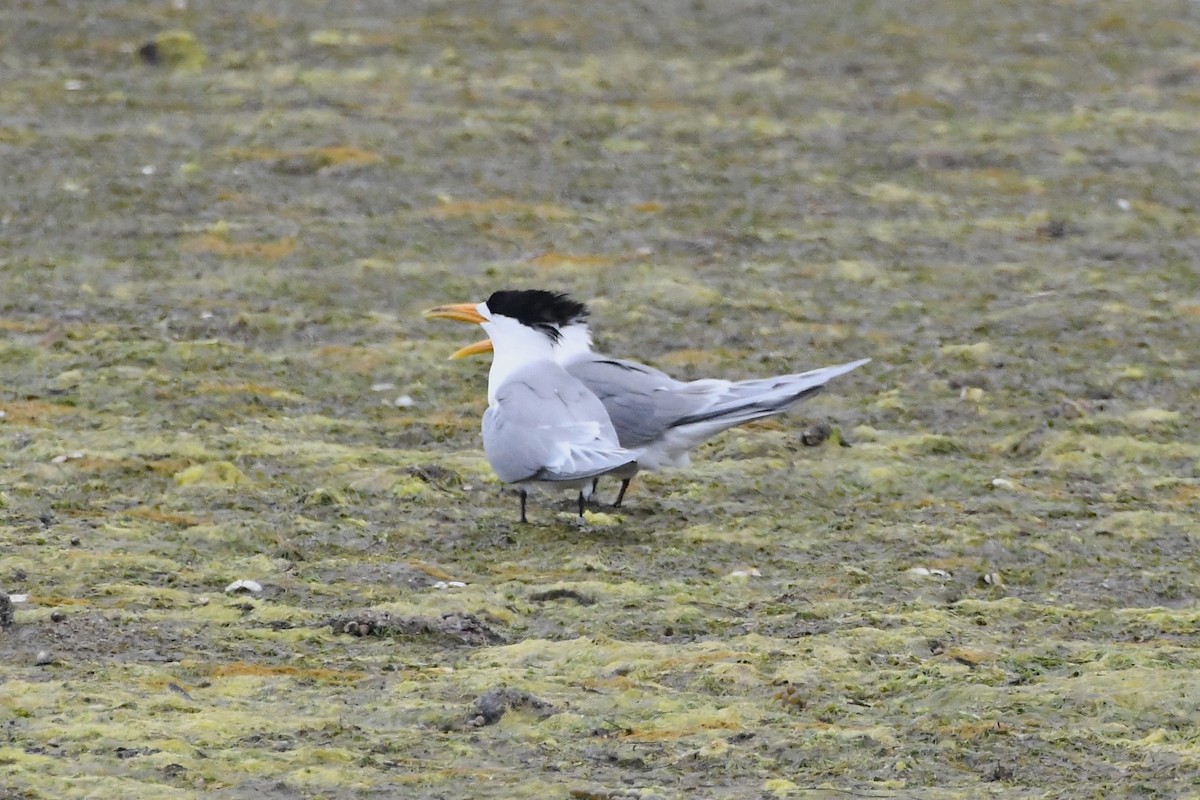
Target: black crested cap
[537,307]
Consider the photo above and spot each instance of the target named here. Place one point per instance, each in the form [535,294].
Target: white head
[522,327]
[514,345]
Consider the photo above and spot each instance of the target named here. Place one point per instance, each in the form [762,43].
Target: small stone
[1053,229]
[791,696]
[43,658]
[815,435]
[243,587]
[57,616]
[971,394]
[173,50]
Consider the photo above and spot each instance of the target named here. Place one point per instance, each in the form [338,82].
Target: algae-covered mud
[219,226]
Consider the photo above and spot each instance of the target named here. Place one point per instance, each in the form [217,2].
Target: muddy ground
[218,229]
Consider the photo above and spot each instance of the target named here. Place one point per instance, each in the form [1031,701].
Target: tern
[542,426]
[661,417]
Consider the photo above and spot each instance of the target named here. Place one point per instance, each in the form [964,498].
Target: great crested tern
[661,417]
[542,426]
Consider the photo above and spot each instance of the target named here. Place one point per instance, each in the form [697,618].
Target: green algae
[216,370]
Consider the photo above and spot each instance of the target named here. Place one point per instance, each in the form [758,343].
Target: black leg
[524,494]
[621,494]
[581,505]
[595,483]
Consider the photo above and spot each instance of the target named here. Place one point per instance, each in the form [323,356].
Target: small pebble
[57,616]
[75,541]
[43,658]
[815,435]
[246,586]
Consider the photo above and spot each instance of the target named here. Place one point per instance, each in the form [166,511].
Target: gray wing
[742,401]
[642,402]
[545,425]
[646,404]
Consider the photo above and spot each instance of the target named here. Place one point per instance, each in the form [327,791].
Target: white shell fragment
[243,586]
[925,572]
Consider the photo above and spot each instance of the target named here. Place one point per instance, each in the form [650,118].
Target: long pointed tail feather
[752,399]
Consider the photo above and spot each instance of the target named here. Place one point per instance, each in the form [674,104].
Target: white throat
[513,346]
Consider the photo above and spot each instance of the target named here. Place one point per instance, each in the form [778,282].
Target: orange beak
[460,312]
[473,349]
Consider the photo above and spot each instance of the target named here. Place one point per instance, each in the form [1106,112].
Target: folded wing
[547,426]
